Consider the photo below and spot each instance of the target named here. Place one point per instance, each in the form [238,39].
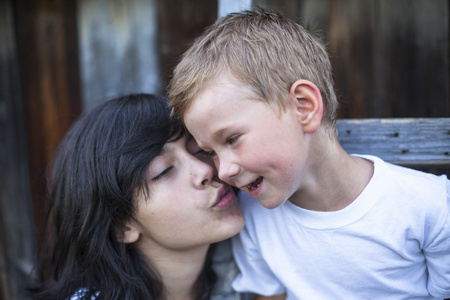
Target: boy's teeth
[255,184]
[254,187]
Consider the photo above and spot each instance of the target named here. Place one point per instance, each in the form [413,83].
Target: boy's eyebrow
[215,135]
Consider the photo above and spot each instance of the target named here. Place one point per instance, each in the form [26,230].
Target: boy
[256,92]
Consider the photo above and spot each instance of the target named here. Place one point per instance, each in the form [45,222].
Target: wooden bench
[412,142]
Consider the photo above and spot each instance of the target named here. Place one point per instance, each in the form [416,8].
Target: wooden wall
[47,52]
[58,58]
[180,22]
[393,57]
[390,57]
[118,49]
[17,237]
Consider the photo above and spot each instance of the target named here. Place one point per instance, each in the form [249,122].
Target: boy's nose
[227,169]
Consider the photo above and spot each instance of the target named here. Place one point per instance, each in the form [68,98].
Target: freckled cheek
[253,160]
[184,197]
[175,196]
[259,153]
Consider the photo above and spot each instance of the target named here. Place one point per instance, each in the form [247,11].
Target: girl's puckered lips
[225,197]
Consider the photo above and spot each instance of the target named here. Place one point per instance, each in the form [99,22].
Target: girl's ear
[308,103]
[128,234]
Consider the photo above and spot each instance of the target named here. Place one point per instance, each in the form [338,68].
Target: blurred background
[59,58]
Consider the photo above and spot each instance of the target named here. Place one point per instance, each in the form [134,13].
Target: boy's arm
[437,254]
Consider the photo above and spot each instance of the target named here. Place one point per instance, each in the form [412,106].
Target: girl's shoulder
[80,294]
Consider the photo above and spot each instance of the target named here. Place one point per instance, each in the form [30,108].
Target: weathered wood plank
[291,9]
[390,58]
[229,6]
[421,141]
[17,231]
[118,49]
[180,22]
[48,61]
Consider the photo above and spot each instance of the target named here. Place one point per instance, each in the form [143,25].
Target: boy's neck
[335,178]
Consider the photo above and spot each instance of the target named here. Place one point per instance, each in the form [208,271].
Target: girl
[134,207]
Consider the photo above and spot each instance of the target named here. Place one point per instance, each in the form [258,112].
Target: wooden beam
[47,48]
[408,141]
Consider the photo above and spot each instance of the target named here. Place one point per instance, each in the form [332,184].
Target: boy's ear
[128,234]
[308,103]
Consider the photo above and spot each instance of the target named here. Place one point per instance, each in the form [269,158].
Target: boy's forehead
[207,99]
[199,119]
[223,81]
[211,113]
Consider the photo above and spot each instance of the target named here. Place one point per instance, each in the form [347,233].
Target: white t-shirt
[392,242]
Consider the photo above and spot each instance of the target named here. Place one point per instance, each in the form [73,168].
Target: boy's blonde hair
[262,50]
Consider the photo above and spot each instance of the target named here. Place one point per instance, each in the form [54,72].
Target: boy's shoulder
[393,171]
[409,186]
[415,179]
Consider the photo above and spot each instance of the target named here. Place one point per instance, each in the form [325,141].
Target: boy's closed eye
[199,153]
[232,139]
[205,156]
[211,153]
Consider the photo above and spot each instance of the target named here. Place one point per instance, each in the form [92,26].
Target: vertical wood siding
[17,234]
[118,48]
[49,76]
[390,58]
[180,22]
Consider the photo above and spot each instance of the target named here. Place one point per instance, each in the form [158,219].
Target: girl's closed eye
[232,139]
[162,174]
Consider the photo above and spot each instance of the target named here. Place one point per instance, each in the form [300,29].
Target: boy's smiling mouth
[255,184]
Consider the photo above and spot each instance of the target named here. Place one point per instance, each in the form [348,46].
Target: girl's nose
[201,173]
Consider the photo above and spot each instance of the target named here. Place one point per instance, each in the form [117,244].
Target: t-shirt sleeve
[437,252]
[255,275]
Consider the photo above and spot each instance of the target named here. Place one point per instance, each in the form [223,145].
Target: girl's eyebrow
[165,149]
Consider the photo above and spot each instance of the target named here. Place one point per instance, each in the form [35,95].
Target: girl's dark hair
[99,166]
